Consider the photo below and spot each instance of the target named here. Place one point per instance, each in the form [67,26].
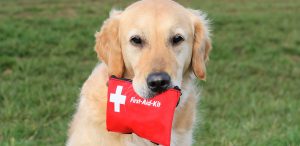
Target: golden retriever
[158,44]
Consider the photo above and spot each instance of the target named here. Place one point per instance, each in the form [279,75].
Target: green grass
[251,96]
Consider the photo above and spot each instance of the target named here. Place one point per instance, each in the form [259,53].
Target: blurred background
[251,96]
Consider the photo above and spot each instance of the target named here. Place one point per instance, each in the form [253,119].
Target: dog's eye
[177,39]
[136,40]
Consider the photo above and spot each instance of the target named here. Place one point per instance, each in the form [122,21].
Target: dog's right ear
[108,46]
[202,43]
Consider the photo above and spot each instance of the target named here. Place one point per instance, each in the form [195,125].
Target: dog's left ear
[108,46]
[202,43]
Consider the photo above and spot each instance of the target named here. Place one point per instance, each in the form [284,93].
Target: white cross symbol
[117,98]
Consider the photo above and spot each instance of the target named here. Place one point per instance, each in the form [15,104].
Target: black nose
[158,82]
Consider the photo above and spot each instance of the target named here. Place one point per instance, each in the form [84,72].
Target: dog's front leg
[88,128]
[183,124]
[107,139]
[134,140]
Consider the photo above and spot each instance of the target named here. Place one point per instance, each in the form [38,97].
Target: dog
[158,44]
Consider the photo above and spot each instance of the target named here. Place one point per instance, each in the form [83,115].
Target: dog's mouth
[154,84]
[145,92]
[150,94]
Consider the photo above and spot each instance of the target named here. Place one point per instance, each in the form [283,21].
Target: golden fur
[155,21]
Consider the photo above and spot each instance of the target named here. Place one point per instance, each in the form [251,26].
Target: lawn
[251,96]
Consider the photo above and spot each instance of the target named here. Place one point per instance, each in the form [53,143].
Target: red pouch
[148,118]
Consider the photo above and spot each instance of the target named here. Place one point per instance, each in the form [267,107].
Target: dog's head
[155,43]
